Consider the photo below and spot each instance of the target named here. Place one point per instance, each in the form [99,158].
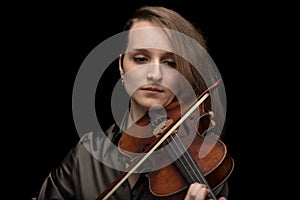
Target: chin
[155,103]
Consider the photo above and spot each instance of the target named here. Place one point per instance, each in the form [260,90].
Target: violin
[172,181]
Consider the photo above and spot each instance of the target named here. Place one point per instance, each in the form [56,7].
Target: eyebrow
[167,53]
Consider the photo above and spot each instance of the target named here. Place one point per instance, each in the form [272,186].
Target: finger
[202,194]
[213,123]
[195,191]
[191,191]
[211,114]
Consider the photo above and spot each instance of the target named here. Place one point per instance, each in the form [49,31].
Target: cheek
[170,95]
[178,84]
[172,82]
[172,88]
[127,64]
[134,78]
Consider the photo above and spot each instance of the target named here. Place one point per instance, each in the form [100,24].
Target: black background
[45,45]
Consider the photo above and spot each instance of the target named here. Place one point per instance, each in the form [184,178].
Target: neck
[136,111]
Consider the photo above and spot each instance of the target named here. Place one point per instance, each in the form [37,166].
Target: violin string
[123,176]
[179,151]
[188,158]
[181,147]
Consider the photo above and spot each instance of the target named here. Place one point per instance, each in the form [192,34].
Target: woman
[157,70]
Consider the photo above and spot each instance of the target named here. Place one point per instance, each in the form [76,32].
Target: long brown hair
[170,19]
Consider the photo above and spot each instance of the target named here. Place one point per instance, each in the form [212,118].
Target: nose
[155,74]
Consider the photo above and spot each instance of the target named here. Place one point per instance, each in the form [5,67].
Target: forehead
[144,35]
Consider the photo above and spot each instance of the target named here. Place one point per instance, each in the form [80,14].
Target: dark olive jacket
[81,176]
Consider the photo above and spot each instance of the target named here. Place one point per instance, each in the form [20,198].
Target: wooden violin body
[206,155]
[216,166]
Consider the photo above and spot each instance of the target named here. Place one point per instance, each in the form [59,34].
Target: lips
[152,88]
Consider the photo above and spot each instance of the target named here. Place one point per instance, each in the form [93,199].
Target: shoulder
[97,145]
[93,138]
[91,142]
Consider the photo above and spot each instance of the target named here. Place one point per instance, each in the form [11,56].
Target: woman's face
[149,74]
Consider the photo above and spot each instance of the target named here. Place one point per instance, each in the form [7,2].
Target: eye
[140,59]
[170,63]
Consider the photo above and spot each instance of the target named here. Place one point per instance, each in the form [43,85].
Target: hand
[198,191]
[211,116]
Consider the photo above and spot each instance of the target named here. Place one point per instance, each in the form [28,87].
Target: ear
[121,65]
